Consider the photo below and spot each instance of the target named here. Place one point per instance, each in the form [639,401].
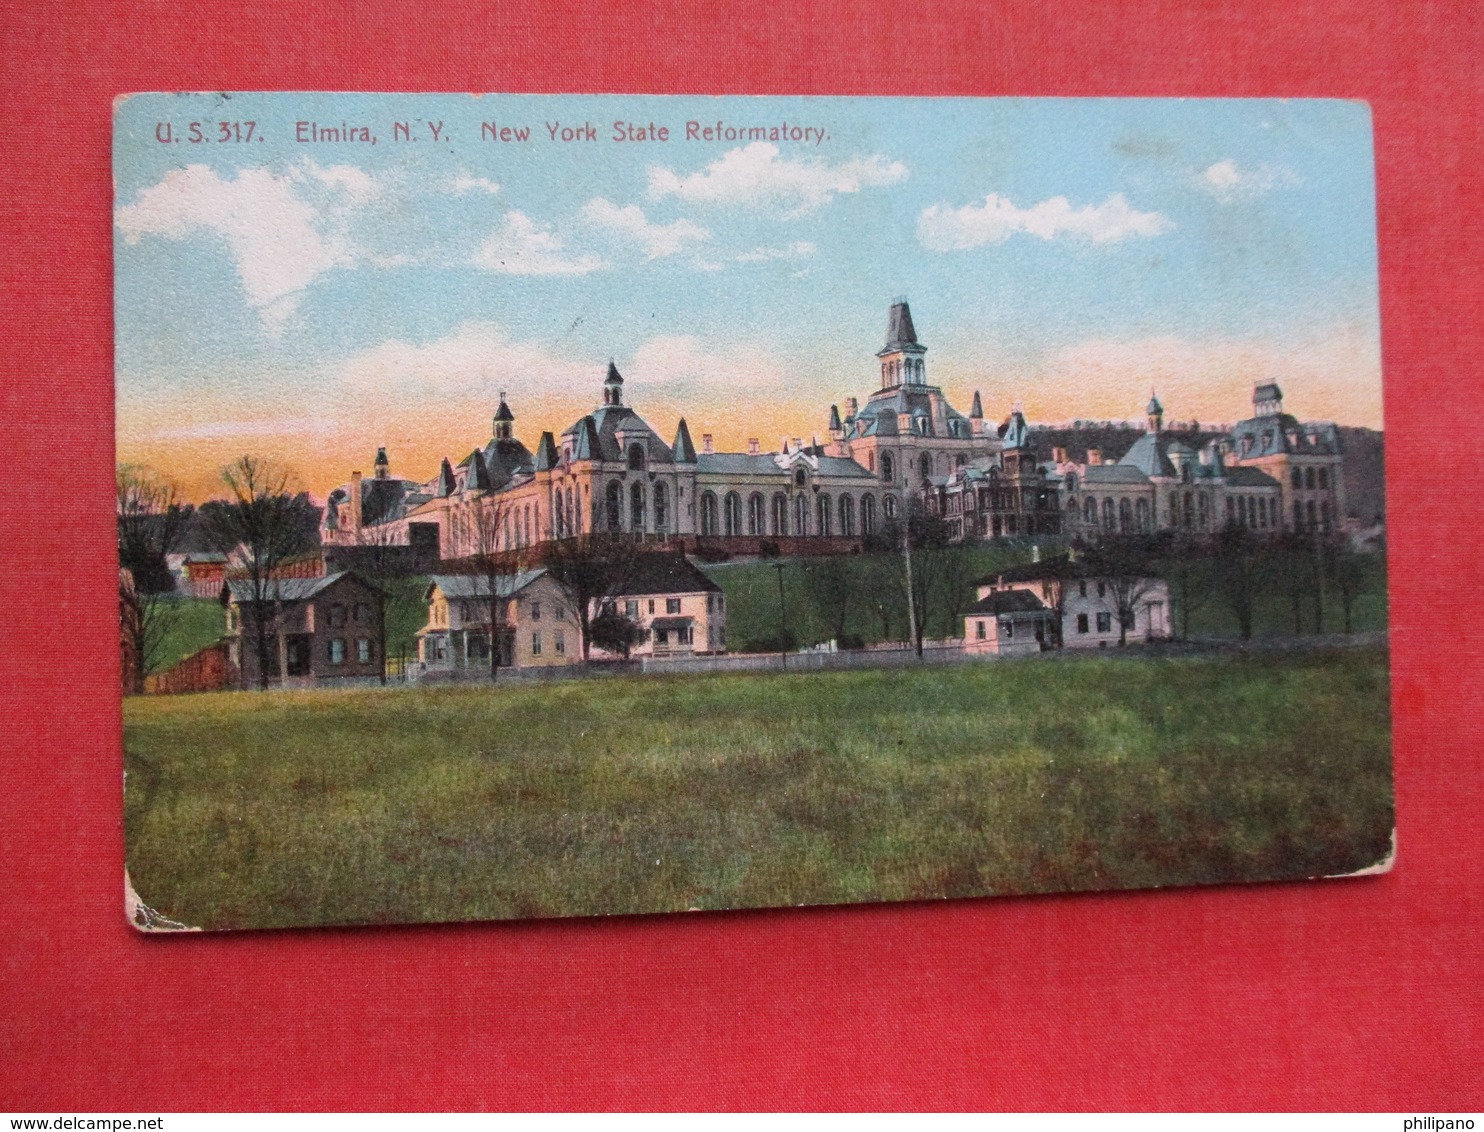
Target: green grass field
[657,794]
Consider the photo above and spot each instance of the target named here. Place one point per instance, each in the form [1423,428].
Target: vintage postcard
[541,506]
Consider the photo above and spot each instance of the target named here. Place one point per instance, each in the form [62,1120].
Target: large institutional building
[610,471]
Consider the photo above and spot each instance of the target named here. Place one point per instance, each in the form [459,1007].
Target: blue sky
[311,300]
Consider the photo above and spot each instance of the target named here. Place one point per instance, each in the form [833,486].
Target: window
[1324,479]
[561,642]
[683,635]
[925,462]
[780,514]
[636,507]
[536,643]
[661,637]
[889,506]
[756,524]
[636,457]
[672,605]
[1102,589]
[847,515]
[361,613]
[1009,628]
[799,477]
[337,616]
[886,467]
[651,607]
[1081,589]
[613,504]
[732,513]
[1297,479]
[708,513]
[561,611]
[631,609]
[363,650]
[1105,622]
[1309,478]
[979,630]
[337,649]
[535,611]
[661,508]
[1081,622]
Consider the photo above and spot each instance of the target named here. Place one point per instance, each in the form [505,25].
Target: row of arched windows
[1309,479]
[826,515]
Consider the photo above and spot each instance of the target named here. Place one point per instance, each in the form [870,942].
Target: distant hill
[1365,479]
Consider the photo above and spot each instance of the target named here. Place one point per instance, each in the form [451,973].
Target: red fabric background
[1360,994]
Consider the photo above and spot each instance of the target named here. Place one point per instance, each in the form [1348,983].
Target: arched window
[1073,511]
[1141,509]
[780,513]
[528,525]
[1205,512]
[868,515]
[801,514]
[822,514]
[1309,478]
[1125,516]
[1323,479]
[1187,511]
[1110,515]
[756,523]
[636,457]
[1071,481]
[1090,511]
[799,477]
[661,509]
[888,466]
[847,515]
[613,505]
[732,513]
[559,518]
[636,507]
[708,512]
[889,506]
[1297,479]
[1312,513]
[925,465]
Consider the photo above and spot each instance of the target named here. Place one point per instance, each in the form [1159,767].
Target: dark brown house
[319,630]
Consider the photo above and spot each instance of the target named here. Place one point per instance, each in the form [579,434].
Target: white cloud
[1227,181]
[283,230]
[796,250]
[757,177]
[657,240]
[464,183]
[478,357]
[681,363]
[521,246]
[942,228]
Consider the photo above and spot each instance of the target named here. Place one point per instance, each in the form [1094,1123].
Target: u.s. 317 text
[168,133]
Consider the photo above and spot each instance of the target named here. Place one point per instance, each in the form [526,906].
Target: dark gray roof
[478,585]
[505,459]
[664,574]
[1056,566]
[594,437]
[899,329]
[1283,432]
[1010,601]
[664,624]
[1268,391]
[1112,473]
[882,409]
[503,413]
[1015,433]
[547,456]
[284,589]
[685,451]
[1249,477]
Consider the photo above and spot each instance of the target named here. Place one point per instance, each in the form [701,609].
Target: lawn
[653,794]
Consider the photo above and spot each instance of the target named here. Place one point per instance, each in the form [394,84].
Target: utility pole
[782,618]
[911,603]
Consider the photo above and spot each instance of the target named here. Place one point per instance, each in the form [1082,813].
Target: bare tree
[1241,572]
[831,586]
[588,568]
[261,524]
[882,589]
[380,558]
[1186,569]
[493,563]
[150,521]
[926,552]
[1345,571]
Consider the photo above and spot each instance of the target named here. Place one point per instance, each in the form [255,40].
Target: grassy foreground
[657,794]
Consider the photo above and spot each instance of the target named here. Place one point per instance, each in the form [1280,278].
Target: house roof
[1057,566]
[284,589]
[1283,432]
[1010,601]
[595,436]
[664,574]
[461,586]
[665,623]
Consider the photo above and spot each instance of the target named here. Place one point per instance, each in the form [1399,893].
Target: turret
[613,386]
[382,466]
[685,451]
[902,361]
[1156,413]
[504,420]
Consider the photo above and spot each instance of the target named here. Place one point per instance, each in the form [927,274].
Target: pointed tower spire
[504,420]
[902,360]
[835,425]
[613,385]
[976,412]
[685,451]
[1156,413]
[446,482]
[547,456]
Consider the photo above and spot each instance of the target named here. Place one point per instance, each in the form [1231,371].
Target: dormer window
[636,457]
[798,477]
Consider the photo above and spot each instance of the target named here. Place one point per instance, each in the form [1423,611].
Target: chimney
[753,447]
[1094,456]
[355,503]
[706,444]
[852,406]
[1059,455]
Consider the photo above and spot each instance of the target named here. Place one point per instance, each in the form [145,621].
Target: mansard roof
[506,458]
[1282,433]
[882,410]
[899,329]
[595,436]
[547,456]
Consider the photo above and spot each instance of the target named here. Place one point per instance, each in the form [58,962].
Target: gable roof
[664,574]
[285,589]
[1009,601]
[463,586]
